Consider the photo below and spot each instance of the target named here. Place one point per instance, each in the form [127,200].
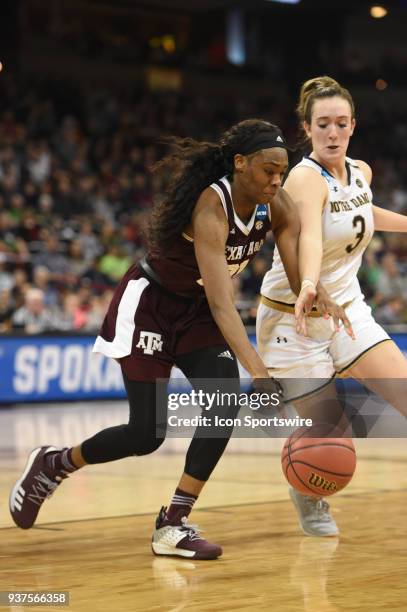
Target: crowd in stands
[76,188]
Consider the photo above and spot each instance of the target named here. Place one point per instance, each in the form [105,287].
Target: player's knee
[141,441]
[146,447]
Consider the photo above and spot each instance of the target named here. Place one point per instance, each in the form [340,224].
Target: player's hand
[268,385]
[303,305]
[271,386]
[328,308]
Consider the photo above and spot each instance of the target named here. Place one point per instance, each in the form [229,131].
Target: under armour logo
[150,342]
[283,339]
[335,188]
[226,354]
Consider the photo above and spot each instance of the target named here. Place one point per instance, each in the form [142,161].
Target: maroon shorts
[146,327]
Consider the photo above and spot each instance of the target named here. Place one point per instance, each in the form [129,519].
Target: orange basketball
[317,461]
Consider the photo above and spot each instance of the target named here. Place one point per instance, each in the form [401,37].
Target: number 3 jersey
[178,269]
[347,228]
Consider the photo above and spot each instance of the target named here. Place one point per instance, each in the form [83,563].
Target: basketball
[317,461]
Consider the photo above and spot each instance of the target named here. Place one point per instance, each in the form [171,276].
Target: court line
[216,509]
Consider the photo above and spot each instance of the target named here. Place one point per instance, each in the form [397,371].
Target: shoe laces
[192,530]
[319,507]
[45,486]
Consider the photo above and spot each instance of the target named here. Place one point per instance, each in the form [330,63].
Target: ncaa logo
[359,182]
[150,342]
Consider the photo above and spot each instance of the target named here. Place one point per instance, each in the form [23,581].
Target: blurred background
[88,88]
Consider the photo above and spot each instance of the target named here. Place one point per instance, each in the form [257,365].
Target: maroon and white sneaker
[181,540]
[37,483]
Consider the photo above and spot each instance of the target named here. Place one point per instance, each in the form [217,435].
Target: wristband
[307,283]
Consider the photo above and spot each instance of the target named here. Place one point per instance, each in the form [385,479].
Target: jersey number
[233,269]
[358,220]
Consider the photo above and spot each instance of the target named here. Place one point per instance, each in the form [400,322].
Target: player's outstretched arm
[308,191]
[388,221]
[286,229]
[384,220]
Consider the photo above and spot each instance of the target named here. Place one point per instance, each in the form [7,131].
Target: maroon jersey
[178,269]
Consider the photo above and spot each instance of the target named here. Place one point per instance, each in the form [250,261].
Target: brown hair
[315,89]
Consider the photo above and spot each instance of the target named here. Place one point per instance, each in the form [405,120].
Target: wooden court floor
[93,539]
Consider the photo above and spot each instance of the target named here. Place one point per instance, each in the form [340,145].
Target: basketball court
[92,538]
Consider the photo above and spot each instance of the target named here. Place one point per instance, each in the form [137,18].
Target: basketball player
[177,307]
[333,197]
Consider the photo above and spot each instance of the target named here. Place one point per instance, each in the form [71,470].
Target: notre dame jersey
[347,228]
[178,269]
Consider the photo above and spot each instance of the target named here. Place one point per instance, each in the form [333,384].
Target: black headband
[263,140]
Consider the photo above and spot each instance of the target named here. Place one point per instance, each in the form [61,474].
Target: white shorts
[322,354]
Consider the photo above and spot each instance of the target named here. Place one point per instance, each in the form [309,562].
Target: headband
[262,140]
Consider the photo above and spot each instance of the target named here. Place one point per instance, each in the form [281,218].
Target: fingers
[339,316]
[322,308]
[336,320]
[301,323]
[309,299]
[348,326]
[303,306]
[299,309]
[302,327]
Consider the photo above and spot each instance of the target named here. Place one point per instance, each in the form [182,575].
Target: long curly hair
[190,167]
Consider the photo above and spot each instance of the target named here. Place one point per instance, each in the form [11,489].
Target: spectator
[76,170]
[70,317]
[89,242]
[390,282]
[6,310]
[114,263]
[34,317]
[51,258]
[391,311]
[41,280]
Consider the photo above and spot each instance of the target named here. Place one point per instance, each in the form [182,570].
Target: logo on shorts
[150,342]
[226,354]
[281,339]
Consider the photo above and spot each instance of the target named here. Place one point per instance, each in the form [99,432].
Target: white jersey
[347,228]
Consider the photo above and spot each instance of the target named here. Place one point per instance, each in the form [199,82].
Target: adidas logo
[17,499]
[279,139]
[226,354]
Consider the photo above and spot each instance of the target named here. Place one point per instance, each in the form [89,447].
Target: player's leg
[305,370]
[210,369]
[373,358]
[47,466]
[322,406]
[383,369]
[131,322]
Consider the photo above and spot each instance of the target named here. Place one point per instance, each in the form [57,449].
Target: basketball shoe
[37,483]
[181,539]
[314,515]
